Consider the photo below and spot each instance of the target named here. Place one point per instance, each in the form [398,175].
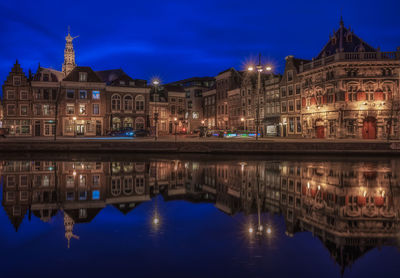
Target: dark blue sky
[180,39]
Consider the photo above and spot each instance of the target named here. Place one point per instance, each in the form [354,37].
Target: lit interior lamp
[74,118]
[74,173]
[308,185]
[319,187]
[308,107]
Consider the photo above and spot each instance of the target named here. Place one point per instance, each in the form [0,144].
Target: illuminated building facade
[350,90]
[194,88]
[127,100]
[209,108]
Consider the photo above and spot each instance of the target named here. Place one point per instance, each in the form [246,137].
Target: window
[82,94]
[128,103]
[83,76]
[82,109]
[187,94]
[95,195]
[95,95]
[24,95]
[284,107]
[96,181]
[17,80]
[46,94]
[70,109]
[298,104]
[139,123]
[121,82]
[290,90]
[70,196]
[46,109]
[70,94]
[70,181]
[291,106]
[82,195]
[53,94]
[290,76]
[10,95]
[298,125]
[24,110]
[96,109]
[283,92]
[298,89]
[115,103]
[45,77]
[350,126]
[291,125]
[82,180]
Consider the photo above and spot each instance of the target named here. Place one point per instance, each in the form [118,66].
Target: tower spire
[69,54]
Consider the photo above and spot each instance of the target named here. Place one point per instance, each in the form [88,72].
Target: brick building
[209,108]
[127,100]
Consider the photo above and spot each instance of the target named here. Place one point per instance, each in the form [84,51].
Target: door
[320,132]
[80,129]
[98,128]
[369,128]
[37,128]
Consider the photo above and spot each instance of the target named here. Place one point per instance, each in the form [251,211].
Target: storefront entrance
[80,129]
[37,128]
[369,128]
[319,129]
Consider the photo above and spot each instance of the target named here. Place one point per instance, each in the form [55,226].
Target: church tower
[69,54]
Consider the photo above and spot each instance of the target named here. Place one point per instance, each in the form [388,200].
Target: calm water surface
[200,217]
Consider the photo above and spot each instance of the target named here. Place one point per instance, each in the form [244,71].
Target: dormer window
[121,82]
[45,77]
[17,80]
[131,83]
[83,76]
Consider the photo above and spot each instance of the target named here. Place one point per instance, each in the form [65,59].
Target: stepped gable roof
[344,40]
[91,75]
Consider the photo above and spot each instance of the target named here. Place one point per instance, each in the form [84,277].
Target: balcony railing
[350,56]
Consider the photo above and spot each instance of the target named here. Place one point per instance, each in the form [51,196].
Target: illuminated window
[83,76]
[95,94]
[95,195]
[128,103]
[115,103]
[82,109]
[70,109]
[139,103]
[82,94]
[24,110]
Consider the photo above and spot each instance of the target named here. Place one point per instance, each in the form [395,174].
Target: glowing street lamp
[155,83]
[176,124]
[259,68]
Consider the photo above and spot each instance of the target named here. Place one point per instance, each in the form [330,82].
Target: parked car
[125,132]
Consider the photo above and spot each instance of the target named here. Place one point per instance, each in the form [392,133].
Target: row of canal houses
[350,89]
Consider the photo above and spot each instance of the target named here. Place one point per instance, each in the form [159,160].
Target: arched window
[139,103]
[116,186]
[128,185]
[139,185]
[116,102]
[128,103]
[128,122]
[139,123]
[116,123]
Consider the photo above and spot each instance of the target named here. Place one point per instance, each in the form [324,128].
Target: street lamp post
[259,68]
[155,83]
[176,123]
[74,118]
[242,120]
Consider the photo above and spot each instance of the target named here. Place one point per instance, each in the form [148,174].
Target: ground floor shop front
[357,124]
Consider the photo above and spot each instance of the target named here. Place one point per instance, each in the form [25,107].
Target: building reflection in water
[351,207]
